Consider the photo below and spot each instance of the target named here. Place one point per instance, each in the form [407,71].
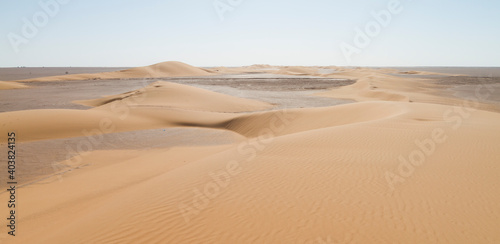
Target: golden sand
[401,165]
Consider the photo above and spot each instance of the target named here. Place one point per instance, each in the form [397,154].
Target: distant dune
[165,69]
[11,85]
[261,66]
[413,72]
[297,70]
[234,70]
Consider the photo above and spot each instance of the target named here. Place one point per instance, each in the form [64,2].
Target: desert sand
[166,69]
[11,85]
[404,160]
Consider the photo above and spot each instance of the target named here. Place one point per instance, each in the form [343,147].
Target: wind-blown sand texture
[403,164]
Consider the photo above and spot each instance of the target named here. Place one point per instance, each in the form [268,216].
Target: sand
[165,69]
[294,70]
[11,85]
[166,94]
[406,162]
[11,74]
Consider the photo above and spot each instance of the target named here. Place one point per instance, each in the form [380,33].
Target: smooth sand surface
[11,85]
[166,94]
[408,162]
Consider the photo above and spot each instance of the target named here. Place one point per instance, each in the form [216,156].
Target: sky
[127,33]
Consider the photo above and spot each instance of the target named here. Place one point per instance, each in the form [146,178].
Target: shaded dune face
[382,170]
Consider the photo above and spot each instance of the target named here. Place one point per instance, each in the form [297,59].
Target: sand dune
[414,72]
[340,185]
[264,68]
[77,123]
[261,66]
[313,118]
[165,69]
[377,85]
[162,104]
[372,86]
[11,85]
[296,70]
[179,96]
[402,165]
[234,70]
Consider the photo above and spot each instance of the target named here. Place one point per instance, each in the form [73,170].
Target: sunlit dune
[402,164]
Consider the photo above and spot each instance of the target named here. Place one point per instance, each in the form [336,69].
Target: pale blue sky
[279,32]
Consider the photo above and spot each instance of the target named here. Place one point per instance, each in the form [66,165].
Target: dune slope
[167,94]
[304,180]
